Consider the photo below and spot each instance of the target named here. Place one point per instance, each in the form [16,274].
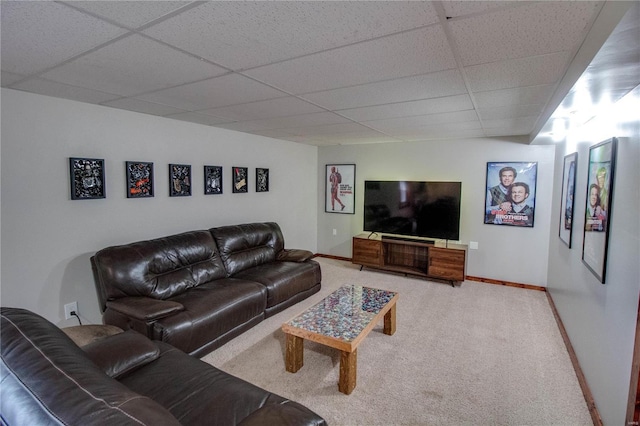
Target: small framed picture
[340,188]
[139,179]
[240,178]
[602,165]
[262,180]
[179,180]
[566,202]
[510,193]
[87,178]
[212,180]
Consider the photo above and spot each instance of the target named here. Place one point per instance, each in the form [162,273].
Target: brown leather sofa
[124,379]
[197,290]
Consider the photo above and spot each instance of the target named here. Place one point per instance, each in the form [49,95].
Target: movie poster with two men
[511,193]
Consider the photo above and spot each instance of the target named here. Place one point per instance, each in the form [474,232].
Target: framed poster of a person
[340,188]
[510,193]
[566,202]
[598,207]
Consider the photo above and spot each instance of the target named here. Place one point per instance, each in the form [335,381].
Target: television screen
[422,209]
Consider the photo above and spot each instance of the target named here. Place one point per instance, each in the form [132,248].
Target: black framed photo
[597,221]
[139,179]
[212,180]
[566,202]
[262,180]
[240,179]
[511,193]
[179,180]
[87,178]
[340,189]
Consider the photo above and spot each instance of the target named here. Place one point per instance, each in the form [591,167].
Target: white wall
[47,238]
[505,252]
[600,319]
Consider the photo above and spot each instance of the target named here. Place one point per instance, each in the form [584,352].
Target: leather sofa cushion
[248,245]
[122,353]
[215,397]
[47,379]
[159,268]
[284,280]
[211,310]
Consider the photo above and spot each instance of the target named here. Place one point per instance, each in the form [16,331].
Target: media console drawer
[367,252]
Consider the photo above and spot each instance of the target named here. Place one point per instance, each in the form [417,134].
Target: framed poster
[139,179]
[212,180]
[262,180]
[511,194]
[340,188]
[566,202]
[598,207]
[179,180]
[240,176]
[87,178]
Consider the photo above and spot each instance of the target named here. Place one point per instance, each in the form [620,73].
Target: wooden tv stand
[425,258]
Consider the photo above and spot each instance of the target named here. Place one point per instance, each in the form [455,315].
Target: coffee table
[341,321]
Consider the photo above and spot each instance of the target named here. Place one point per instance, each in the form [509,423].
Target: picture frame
[240,177]
[87,178]
[598,206]
[340,188]
[262,180]
[511,193]
[179,180]
[213,180]
[139,179]
[565,226]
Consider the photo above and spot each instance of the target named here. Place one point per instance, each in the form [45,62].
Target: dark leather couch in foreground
[197,290]
[124,379]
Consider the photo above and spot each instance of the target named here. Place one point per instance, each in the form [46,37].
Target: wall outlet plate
[473,245]
[70,307]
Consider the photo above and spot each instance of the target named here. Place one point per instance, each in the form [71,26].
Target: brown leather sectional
[199,289]
[124,379]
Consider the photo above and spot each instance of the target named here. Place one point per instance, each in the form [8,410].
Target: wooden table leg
[348,369]
[390,321]
[294,353]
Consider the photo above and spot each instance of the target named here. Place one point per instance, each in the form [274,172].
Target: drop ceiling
[319,73]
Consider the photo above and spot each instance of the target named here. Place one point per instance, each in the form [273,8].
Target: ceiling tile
[265,109]
[520,125]
[60,90]
[442,133]
[221,91]
[36,35]
[138,105]
[194,117]
[454,9]
[529,30]
[422,120]
[530,95]
[410,53]
[333,129]
[132,65]
[531,71]
[315,119]
[9,78]
[131,14]
[403,109]
[434,85]
[249,34]
[510,112]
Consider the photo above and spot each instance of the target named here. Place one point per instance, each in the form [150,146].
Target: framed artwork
[598,207]
[240,178]
[511,193]
[340,188]
[179,180]
[212,180]
[139,179]
[87,178]
[262,180]
[566,202]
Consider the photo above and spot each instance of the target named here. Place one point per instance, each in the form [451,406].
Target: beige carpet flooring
[477,354]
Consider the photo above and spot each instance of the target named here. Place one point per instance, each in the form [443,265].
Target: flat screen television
[411,208]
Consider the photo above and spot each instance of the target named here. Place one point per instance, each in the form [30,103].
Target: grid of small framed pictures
[87,179]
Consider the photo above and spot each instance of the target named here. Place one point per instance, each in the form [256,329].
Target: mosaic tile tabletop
[344,313]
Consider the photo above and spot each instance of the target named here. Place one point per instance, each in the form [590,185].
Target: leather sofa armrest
[144,308]
[286,413]
[294,255]
[122,353]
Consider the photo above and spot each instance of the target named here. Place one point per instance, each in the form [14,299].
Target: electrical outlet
[335,232]
[70,307]
[473,245]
